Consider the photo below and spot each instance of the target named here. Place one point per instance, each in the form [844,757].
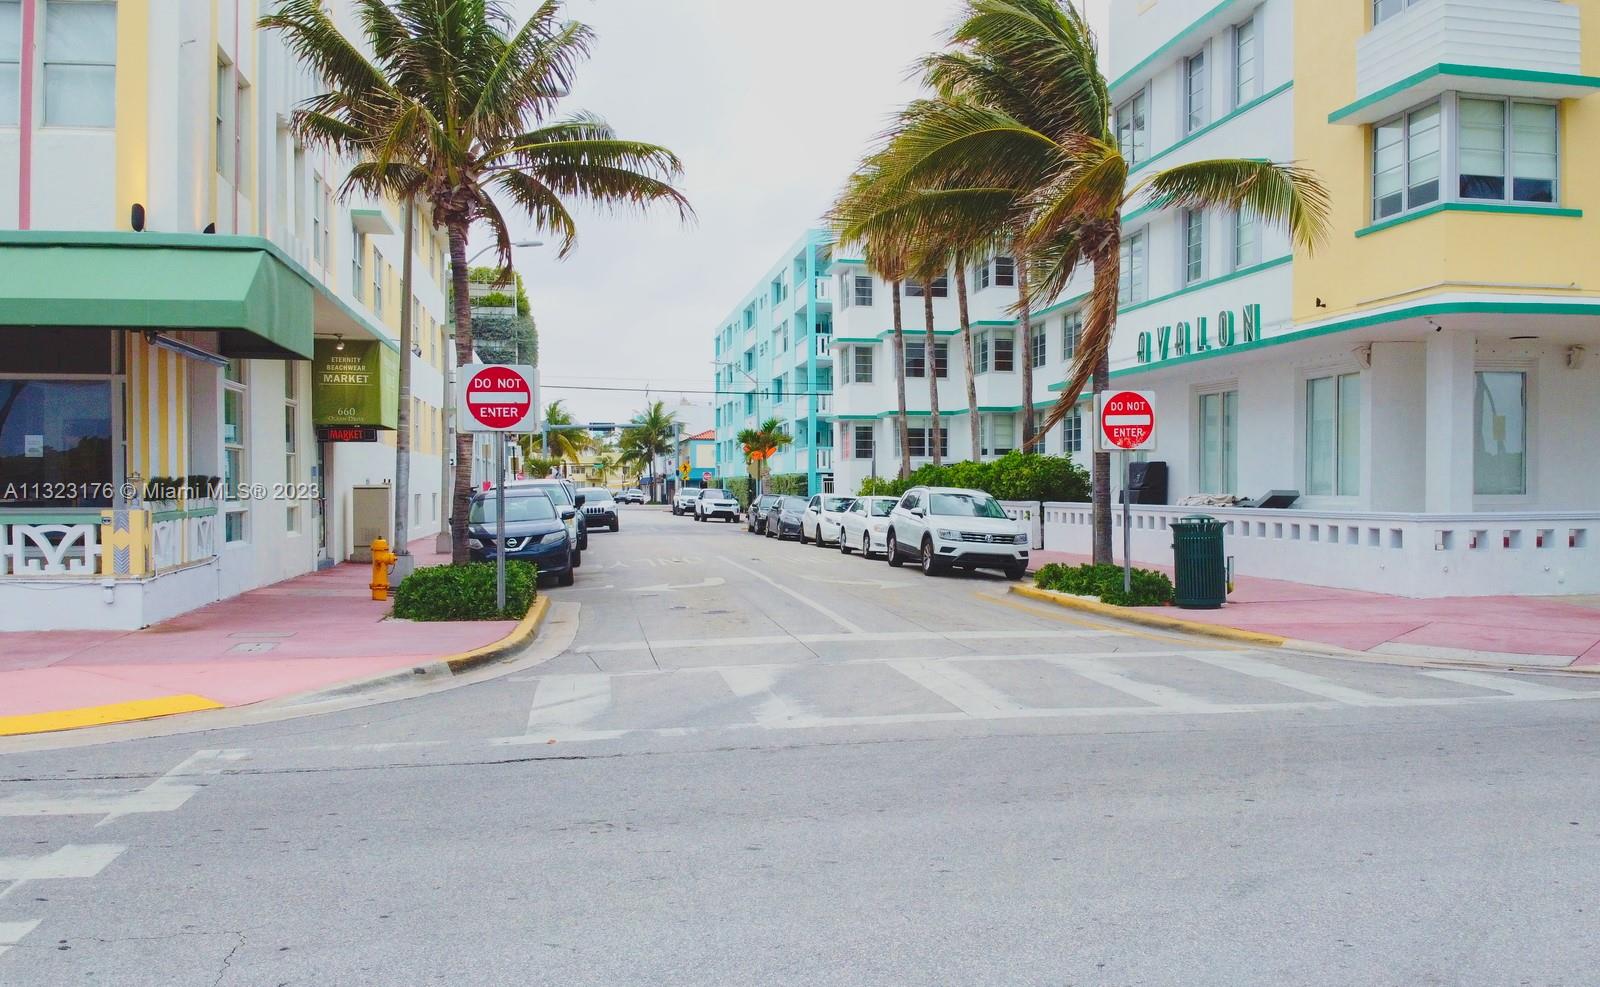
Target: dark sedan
[535,532]
[784,518]
[758,512]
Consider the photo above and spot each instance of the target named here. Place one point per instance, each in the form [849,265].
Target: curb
[1134,616]
[519,637]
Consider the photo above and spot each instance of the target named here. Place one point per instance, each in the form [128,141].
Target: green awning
[261,302]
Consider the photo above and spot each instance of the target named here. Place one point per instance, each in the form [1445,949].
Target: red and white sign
[1127,421]
[497,398]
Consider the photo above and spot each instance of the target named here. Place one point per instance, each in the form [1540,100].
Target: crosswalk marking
[867,637]
[12,933]
[1314,685]
[798,597]
[568,700]
[958,688]
[72,860]
[1518,688]
[773,710]
[1166,697]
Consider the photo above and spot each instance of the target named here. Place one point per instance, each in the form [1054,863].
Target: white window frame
[980,352]
[1071,333]
[858,432]
[291,444]
[1227,469]
[1244,253]
[1509,150]
[863,289]
[1527,370]
[1072,431]
[1196,104]
[1135,248]
[1039,344]
[236,508]
[1006,277]
[1192,261]
[1336,374]
[11,26]
[995,337]
[1246,90]
[224,115]
[1132,124]
[48,61]
[1394,7]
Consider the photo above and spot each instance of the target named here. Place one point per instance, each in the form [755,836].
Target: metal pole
[1127,533]
[500,521]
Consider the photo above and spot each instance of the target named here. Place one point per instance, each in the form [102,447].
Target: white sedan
[820,522]
[865,526]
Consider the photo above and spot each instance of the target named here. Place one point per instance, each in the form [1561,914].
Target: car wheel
[892,548]
[844,543]
[577,559]
[930,562]
[866,544]
[567,578]
[803,539]
[616,525]
[1016,572]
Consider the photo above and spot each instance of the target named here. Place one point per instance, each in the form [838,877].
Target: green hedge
[739,486]
[1150,588]
[790,484]
[1014,476]
[465,592]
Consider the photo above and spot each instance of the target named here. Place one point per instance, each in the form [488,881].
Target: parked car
[536,531]
[865,526]
[820,523]
[714,503]
[683,500]
[946,527]
[783,518]
[599,508]
[632,495]
[565,495]
[757,514]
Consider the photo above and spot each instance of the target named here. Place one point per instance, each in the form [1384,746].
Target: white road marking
[875,583]
[72,860]
[1300,681]
[1166,697]
[12,933]
[165,794]
[568,700]
[958,688]
[1516,688]
[799,597]
[864,637]
[667,588]
[774,711]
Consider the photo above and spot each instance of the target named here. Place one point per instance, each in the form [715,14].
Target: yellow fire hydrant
[382,559]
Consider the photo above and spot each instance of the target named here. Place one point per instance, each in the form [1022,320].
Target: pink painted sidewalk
[306,633]
[1494,629]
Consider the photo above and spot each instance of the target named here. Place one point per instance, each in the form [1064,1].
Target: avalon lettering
[1190,338]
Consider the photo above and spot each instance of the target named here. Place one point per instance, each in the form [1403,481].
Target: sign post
[1127,423]
[498,398]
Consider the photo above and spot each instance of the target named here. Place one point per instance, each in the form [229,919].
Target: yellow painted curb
[524,632]
[94,716]
[1135,616]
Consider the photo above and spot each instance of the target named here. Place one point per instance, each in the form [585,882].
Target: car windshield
[837,503]
[556,491]
[595,495]
[965,505]
[767,500]
[794,504]
[519,507]
[714,495]
[883,506]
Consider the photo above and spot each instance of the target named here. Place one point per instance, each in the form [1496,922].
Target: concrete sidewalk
[300,635]
[1497,630]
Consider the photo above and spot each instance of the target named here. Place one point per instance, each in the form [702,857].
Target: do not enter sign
[1127,421]
[497,398]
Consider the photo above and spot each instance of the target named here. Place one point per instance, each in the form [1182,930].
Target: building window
[980,275]
[917,441]
[863,364]
[224,97]
[1382,10]
[1072,432]
[980,353]
[1194,246]
[10,62]
[1005,272]
[291,440]
[1219,442]
[319,219]
[1488,127]
[1071,332]
[1133,132]
[377,284]
[1037,345]
[234,443]
[1406,162]
[1333,436]
[1132,286]
[1500,437]
[1246,239]
[863,292]
[917,358]
[80,64]
[1246,76]
[1194,92]
[1004,352]
[998,434]
[861,442]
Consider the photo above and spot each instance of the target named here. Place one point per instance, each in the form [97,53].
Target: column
[1450,363]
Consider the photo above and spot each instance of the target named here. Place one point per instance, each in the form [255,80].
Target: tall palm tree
[458,105]
[1024,118]
[650,436]
[564,440]
[930,266]
[760,445]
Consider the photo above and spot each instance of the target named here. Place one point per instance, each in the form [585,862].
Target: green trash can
[1198,563]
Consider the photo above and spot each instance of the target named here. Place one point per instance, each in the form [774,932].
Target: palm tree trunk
[461,496]
[1025,330]
[1107,273]
[900,384]
[931,367]
[966,346]
[402,438]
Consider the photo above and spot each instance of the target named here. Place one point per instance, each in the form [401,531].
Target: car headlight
[879,527]
[474,543]
[553,537]
[949,535]
[1023,540]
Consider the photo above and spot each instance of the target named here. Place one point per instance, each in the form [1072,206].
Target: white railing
[823,345]
[42,545]
[1414,555]
[825,289]
[1030,513]
[802,409]
[181,538]
[824,460]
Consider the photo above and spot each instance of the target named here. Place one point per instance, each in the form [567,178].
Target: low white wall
[1415,555]
[94,604]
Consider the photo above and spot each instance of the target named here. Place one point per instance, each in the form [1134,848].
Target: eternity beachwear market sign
[355,383]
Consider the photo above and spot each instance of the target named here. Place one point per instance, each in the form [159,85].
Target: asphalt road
[737,762]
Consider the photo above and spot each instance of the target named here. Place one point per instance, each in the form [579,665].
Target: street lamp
[493,246]
[751,378]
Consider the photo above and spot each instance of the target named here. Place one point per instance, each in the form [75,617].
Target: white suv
[715,503]
[946,527]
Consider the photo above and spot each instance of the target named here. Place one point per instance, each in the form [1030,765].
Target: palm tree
[1023,120]
[564,440]
[650,436]
[604,465]
[930,266]
[458,104]
[760,445]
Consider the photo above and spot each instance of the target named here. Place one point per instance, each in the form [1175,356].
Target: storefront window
[1333,436]
[233,447]
[1500,440]
[1219,442]
[55,443]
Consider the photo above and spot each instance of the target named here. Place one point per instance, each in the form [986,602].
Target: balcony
[1496,47]
[824,460]
[824,406]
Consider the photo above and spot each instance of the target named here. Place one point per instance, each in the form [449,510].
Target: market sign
[1189,338]
[346,433]
[355,382]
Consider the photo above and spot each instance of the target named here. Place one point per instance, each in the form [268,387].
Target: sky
[770,104]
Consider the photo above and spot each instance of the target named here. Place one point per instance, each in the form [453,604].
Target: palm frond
[1288,195]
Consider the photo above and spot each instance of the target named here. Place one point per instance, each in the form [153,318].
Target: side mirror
[578,500]
[568,513]
[919,512]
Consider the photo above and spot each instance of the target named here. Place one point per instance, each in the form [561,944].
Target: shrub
[494,299]
[790,484]
[465,592]
[1150,588]
[739,486]
[882,486]
[1014,476]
